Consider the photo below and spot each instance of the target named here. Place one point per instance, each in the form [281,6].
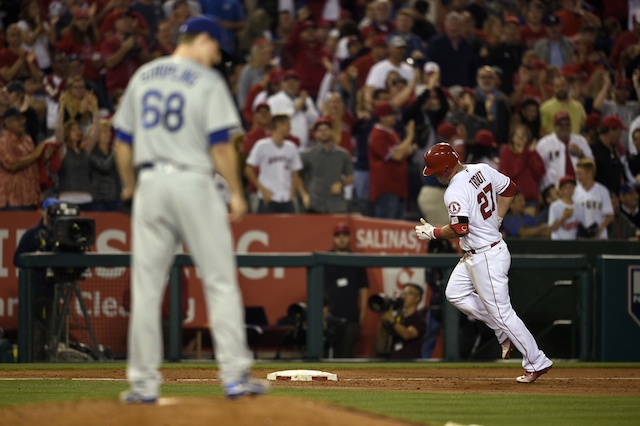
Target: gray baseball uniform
[173,111]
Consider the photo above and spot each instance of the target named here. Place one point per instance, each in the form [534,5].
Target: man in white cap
[395,62]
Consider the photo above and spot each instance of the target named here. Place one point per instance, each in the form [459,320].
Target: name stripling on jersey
[174,105]
[473,193]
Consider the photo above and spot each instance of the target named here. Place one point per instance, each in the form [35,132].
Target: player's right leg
[490,273]
[461,293]
[206,231]
[153,247]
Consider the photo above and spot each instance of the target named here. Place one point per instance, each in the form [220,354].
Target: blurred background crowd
[339,100]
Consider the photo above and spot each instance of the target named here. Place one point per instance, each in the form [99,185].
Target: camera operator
[59,230]
[35,240]
[408,325]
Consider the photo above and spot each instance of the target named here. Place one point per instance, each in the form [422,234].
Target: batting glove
[425,231]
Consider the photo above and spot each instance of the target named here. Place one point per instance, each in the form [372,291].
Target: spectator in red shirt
[389,186]
[138,24]
[260,129]
[521,162]
[123,54]
[15,62]
[531,82]
[628,39]
[260,92]
[307,55]
[82,39]
[19,186]
[533,30]
[574,17]
[364,63]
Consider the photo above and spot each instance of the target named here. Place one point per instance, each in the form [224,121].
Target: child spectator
[564,215]
[595,201]
[518,223]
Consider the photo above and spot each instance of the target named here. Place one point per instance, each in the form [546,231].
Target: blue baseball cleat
[246,386]
[133,397]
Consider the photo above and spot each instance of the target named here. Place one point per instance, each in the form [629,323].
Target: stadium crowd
[339,99]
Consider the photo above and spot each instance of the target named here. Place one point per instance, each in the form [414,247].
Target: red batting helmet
[440,160]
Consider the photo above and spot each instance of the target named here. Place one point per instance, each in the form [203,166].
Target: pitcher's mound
[263,410]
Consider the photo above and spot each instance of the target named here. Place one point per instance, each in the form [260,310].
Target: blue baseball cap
[202,24]
[51,201]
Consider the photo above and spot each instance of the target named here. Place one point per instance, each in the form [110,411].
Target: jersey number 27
[168,110]
[487,205]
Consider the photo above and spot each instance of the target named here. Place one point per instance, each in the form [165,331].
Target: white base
[302,375]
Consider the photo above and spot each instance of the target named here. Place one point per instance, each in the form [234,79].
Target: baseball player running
[477,198]
[173,129]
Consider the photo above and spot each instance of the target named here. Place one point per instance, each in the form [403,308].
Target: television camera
[66,231]
[380,303]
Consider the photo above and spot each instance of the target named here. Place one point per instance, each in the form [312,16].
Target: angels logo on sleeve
[454,207]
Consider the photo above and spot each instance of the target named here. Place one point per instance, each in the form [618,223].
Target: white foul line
[373,379]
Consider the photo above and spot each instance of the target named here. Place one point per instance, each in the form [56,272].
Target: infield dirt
[291,411]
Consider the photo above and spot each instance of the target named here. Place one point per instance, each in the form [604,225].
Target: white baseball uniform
[172,112]
[479,284]
[569,229]
[596,205]
[553,153]
[277,164]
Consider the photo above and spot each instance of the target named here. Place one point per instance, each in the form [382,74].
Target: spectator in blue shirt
[231,15]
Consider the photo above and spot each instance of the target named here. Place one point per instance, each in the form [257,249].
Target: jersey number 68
[168,110]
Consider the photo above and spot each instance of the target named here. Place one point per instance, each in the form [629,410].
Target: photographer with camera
[404,323]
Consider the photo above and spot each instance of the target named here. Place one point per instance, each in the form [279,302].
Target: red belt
[483,249]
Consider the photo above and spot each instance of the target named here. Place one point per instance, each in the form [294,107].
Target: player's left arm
[505,190]
[223,155]
[446,232]
[124,124]
[124,162]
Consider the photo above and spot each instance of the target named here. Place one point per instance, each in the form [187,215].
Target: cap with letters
[202,24]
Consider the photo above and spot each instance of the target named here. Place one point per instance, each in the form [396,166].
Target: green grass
[423,407]
[433,408]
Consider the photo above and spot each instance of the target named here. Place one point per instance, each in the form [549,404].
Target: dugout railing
[314,263]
